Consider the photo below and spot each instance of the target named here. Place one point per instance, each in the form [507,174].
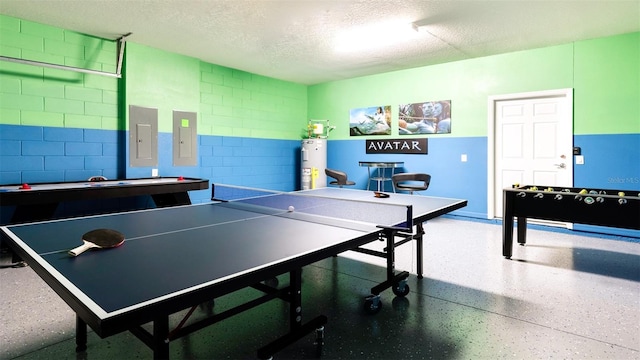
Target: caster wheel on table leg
[401,289]
[372,304]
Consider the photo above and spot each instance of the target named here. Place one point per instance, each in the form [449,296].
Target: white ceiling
[295,40]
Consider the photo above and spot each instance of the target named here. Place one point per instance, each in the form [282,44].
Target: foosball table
[603,207]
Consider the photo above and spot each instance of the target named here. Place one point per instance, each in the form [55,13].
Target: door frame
[566,93]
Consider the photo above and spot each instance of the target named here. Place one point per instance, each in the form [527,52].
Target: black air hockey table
[215,249]
[39,201]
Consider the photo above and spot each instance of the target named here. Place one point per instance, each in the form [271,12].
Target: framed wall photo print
[430,117]
[370,121]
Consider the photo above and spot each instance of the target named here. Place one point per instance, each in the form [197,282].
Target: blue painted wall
[263,163]
[468,180]
[442,162]
[612,162]
[36,154]
[31,154]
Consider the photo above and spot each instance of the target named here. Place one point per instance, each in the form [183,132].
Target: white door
[532,141]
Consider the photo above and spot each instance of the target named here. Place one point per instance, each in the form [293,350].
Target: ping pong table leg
[391,253]
[419,241]
[397,282]
[297,330]
[295,303]
[81,335]
[161,338]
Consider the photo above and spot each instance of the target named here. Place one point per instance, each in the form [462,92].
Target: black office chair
[339,176]
[411,181]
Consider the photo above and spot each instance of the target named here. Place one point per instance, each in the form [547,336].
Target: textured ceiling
[296,40]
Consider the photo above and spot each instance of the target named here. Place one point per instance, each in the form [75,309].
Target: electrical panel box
[143,136]
[185,138]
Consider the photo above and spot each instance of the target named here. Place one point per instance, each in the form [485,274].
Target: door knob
[560,166]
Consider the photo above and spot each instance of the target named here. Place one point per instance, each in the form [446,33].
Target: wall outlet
[463,157]
[154,172]
[579,160]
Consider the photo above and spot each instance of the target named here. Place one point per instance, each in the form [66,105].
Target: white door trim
[491,131]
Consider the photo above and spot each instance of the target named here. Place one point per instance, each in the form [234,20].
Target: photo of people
[431,117]
[370,121]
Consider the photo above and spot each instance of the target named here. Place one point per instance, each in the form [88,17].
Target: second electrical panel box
[185,138]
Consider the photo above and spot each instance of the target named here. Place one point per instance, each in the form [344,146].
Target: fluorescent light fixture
[375,36]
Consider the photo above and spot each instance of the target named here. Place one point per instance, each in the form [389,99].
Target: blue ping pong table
[178,258]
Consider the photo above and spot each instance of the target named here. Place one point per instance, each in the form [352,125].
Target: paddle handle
[82,248]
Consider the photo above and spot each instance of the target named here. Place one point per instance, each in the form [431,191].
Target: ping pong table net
[307,206]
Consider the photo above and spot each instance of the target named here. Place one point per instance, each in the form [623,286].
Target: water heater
[314,160]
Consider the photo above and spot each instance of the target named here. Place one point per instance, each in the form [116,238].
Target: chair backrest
[340,176]
[411,181]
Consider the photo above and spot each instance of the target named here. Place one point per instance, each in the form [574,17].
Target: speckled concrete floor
[561,296]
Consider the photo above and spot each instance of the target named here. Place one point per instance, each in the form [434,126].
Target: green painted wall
[161,80]
[229,102]
[607,85]
[238,103]
[37,96]
[603,72]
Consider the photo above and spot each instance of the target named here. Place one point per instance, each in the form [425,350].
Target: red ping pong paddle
[98,239]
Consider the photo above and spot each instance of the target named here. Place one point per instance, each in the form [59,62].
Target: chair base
[411,189]
[348,183]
